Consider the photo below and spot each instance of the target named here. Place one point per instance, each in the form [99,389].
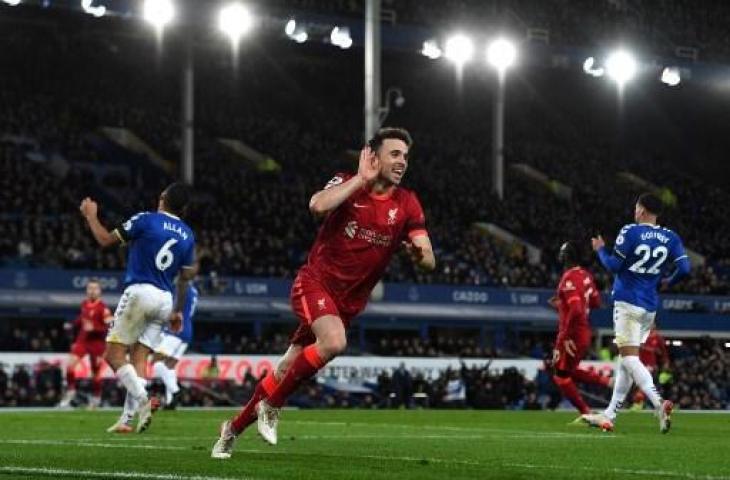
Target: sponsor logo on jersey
[321,303]
[351,229]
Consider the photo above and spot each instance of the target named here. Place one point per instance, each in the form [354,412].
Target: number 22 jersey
[648,251]
[160,244]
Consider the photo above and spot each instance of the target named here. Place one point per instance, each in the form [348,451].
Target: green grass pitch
[367,445]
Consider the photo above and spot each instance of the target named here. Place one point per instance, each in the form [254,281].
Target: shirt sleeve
[416,223]
[571,290]
[677,251]
[338,179]
[132,228]
[188,260]
[623,243]
[594,299]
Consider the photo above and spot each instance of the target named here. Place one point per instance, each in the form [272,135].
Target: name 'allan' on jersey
[648,252]
[160,244]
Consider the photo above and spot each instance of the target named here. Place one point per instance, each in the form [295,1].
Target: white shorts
[631,324]
[171,346]
[142,311]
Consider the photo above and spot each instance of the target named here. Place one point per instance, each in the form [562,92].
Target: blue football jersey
[191,303]
[648,252]
[160,244]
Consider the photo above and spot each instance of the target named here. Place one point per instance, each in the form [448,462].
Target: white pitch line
[627,471]
[60,472]
[72,443]
[516,433]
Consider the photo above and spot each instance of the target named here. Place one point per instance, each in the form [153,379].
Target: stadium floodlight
[589,67]
[621,67]
[291,27]
[235,21]
[431,50]
[340,37]
[88,7]
[459,49]
[501,54]
[12,3]
[671,76]
[158,12]
[295,32]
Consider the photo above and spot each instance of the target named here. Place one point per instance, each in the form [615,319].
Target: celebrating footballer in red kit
[367,218]
[577,294]
[92,325]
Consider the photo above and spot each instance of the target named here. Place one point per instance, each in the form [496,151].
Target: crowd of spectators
[252,222]
[225,338]
[698,377]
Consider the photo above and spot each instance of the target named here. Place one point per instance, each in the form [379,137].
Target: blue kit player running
[171,349]
[161,246]
[644,253]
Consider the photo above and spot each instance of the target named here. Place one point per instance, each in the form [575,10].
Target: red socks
[589,376]
[570,391]
[247,415]
[305,365]
[70,379]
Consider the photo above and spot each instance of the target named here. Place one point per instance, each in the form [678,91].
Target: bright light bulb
[459,49]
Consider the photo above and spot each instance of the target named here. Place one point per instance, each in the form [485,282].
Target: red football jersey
[357,240]
[577,285]
[654,351]
[90,322]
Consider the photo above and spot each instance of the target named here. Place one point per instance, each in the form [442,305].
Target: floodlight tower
[501,55]
[372,68]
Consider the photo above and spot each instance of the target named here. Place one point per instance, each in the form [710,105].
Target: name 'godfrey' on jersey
[648,251]
[168,245]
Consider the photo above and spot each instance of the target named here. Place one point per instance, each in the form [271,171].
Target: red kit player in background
[91,326]
[367,218]
[577,294]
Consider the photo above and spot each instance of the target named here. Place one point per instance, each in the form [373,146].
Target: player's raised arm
[610,261]
[90,210]
[336,192]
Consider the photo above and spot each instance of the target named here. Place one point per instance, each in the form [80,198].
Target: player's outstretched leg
[331,341]
[223,448]
[590,377]
[570,391]
[169,379]
[642,377]
[124,422]
[70,394]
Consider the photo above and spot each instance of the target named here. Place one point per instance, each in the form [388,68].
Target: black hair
[177,197]
[651,203]
[389,132]
[571,253]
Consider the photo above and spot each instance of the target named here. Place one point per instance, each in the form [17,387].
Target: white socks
[621,387]
[630,370]
[643,379]
[134,385]
[169,378]
[131,404]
